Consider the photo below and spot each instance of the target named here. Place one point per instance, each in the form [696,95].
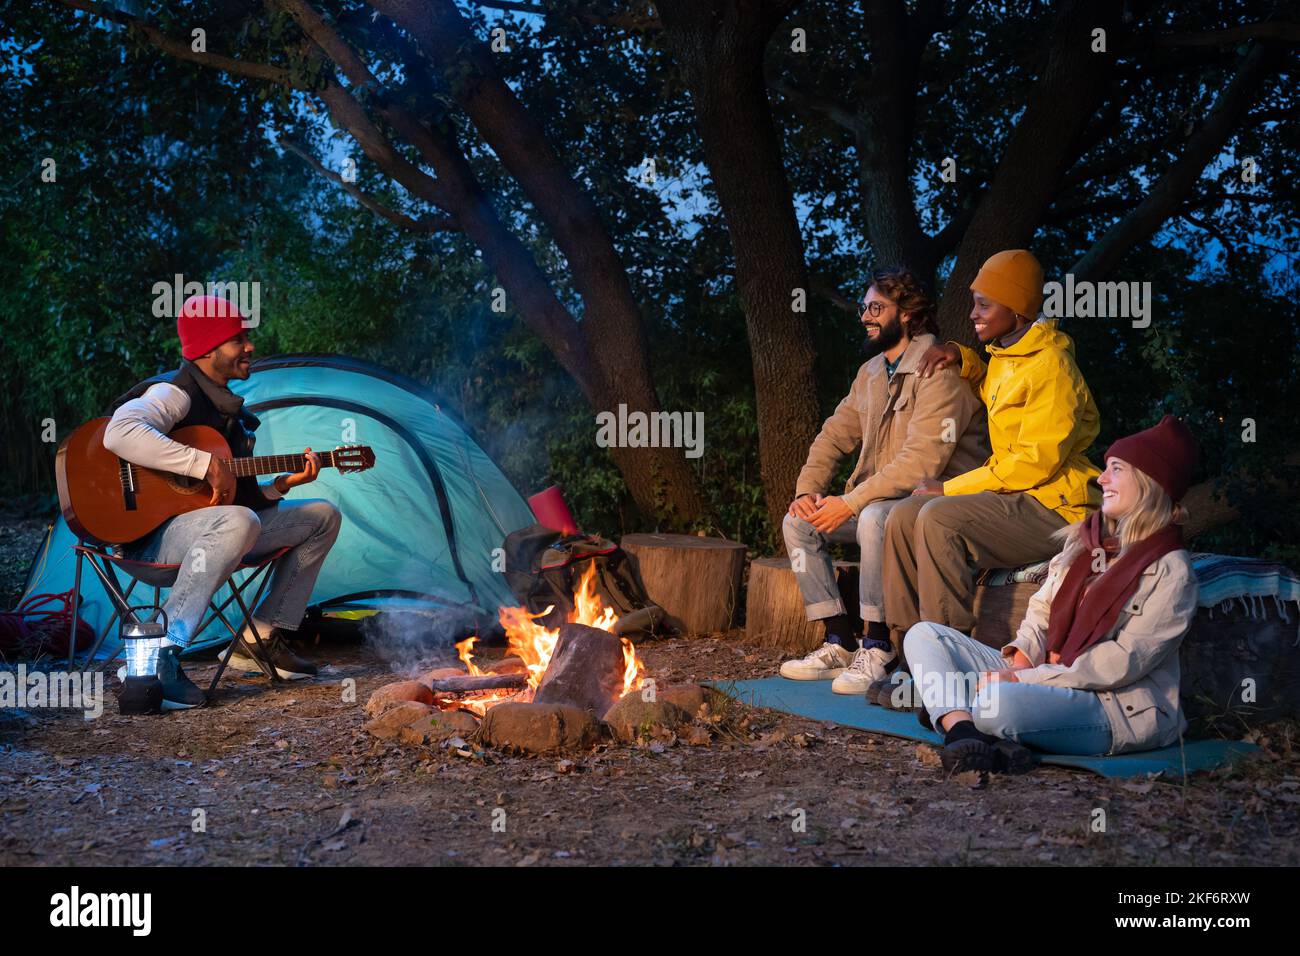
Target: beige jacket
[1136,674]
[903,430]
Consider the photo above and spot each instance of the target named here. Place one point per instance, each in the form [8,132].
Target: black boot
[965,748]
[244,654]
[1011,757]
[178,691]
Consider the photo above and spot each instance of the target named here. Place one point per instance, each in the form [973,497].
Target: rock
[390,694]
[507,665]
[689,697]
[631,717]
[438,726]
[439,673]
[389,723]
[586,670]
[538,728]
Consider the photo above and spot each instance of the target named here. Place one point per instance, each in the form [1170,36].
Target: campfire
[535,645]
[565,688]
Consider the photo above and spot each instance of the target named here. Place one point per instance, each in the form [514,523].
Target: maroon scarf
[1087,604]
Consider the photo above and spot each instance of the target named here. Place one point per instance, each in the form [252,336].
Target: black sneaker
[969,753]
[178,691]
[244,655]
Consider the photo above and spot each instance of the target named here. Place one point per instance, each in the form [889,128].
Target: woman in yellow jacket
[1041,419]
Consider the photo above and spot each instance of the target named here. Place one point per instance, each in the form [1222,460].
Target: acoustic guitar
[109,500]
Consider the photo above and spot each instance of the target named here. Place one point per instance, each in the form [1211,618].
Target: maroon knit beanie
[1166,452]
[205,322]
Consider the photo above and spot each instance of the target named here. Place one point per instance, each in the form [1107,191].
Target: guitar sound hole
[186,485]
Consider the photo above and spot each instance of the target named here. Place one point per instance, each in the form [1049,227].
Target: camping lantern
[142,640]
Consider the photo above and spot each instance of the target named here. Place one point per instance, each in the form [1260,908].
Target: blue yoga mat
[813,698]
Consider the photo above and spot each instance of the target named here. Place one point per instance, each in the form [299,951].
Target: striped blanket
[1223,579]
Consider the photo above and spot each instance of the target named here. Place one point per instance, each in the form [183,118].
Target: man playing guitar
[243,517]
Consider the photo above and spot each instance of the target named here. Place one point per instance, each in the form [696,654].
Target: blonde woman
[1094,666]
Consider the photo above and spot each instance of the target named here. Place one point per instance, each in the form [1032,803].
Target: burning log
[586,671]
[696,580]
[466,683]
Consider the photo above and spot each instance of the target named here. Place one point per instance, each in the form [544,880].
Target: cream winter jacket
[1135,671]
[903,429]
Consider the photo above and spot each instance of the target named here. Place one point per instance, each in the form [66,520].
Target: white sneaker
[868,665]
[825,663]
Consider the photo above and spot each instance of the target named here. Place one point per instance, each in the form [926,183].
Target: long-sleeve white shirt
[138,432]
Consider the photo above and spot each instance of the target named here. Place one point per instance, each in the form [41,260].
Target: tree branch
[839,113]
[1229,249]
[182,49]
[425,224]
[1265,30]
[1164,198]
[624,21]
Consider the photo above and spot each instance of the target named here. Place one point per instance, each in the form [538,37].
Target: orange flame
[463,649]
[534,645]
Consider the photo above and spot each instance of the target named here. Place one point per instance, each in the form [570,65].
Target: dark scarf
[227,402]
[1087,604]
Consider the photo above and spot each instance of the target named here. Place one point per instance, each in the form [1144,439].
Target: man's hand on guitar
[309,472]
[222,481]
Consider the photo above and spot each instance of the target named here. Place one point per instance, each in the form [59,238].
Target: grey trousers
[935,543]
[209,544]
[810,560]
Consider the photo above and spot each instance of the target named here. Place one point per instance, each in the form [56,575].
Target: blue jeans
[945,664]
[810,549]
[210,543]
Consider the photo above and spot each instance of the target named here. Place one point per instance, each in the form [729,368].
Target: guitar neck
[275,464]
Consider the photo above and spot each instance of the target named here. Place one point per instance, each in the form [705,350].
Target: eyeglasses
[876,309]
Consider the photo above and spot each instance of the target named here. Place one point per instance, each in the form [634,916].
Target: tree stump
[586,670]
[774,609]
[695,580]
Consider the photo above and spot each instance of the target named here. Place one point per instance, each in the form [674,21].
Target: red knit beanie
[1166,452]
[205,322]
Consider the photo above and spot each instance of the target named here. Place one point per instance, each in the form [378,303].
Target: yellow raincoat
[1041,419]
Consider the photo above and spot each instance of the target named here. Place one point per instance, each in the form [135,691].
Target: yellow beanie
[1014,279]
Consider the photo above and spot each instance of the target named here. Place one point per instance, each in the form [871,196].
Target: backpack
[545,566]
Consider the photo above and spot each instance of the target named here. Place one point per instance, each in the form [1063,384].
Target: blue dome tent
[419,529]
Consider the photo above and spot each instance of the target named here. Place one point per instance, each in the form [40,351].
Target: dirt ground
[285,775]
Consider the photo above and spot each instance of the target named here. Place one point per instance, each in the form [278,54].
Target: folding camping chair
[159,576]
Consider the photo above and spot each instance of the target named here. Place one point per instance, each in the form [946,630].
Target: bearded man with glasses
[904,430]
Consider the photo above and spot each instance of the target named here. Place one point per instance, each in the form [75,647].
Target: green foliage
[166,168]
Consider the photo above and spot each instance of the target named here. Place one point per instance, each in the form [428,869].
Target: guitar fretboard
[275,464]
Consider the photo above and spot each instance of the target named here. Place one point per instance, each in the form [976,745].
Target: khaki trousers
[935,543]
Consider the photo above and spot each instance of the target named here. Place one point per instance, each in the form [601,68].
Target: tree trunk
[774,608]
[883,135]
[660,480]
[1039,150]
[719,48]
